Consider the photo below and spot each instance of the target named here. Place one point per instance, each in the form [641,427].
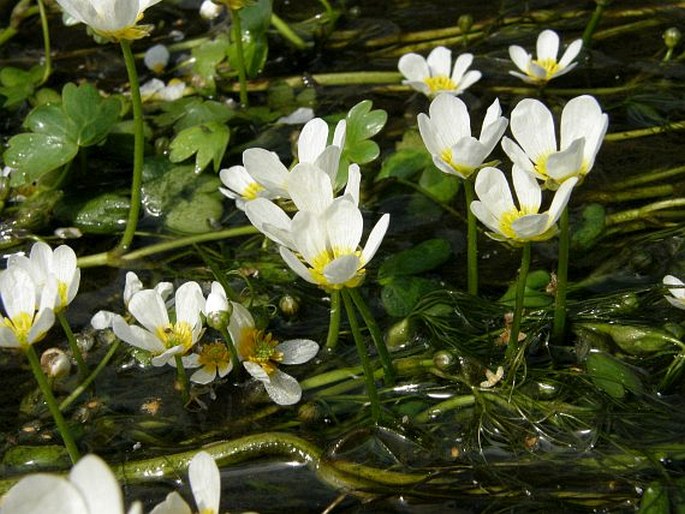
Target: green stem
[326,5]
[47,70]
[107,259]
[371,390]
[640,212]
[471,240]
[235,359]
[182,378]
[594,22]
[513,346]
[93,375]
[649,131]
[559,326]
[284,30]
[62,426]
[456,402]
[334,323]
[138,149]
[238,38]
[73,345]
[376,335]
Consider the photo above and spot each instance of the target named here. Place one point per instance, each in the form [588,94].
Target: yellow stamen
[440,83]
[180,333]
[252,190]
[464,171]
[322,260]
[259,347]
[214,355]
[21,326]
[551,66]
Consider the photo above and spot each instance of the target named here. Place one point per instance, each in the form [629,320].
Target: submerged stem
[238,37]
[513,345]
[471,240]
[62,426]
[73,345]
[138,149]
[371,390]
[559,327]
[47,69]
[334,323]
[594,21]
[376,336]
[284,30]
[182,378]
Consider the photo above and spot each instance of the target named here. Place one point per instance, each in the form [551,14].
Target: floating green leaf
[442,186]
[206,58]
[535,292]
[34,155]
[91,116]
[420,258]
[208,141]
[612,375]
[188,112]
[17,85]
[405,164]
[402,293]
[103,214]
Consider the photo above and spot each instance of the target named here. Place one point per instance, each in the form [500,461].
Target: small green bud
[289,305]
[309,412]
[444,360]
[219,320]
[465,22]
[400,333]
[672,37]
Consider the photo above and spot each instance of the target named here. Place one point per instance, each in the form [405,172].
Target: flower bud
[210,10]
[55,363]
[289,305]
[672,37]
[444,360]
[219,320]
[465,22]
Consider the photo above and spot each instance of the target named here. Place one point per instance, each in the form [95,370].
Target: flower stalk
[371,390]
[242,74]
[230,345]
[471,241]
[559,326]
[513,344]
[62,426]
[334,323]
[73,345]
[47,63]
[182,379]
[138,149]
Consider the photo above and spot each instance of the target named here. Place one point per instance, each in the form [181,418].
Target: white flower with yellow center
[446,132]
[161,337]
[157,91]
[676,288]
[46,266]
[156,58]
[545,67]
[520,224]
[433,75]
[111,19]
[261,355]
[28,319]
[582,129]
[205,483]
[90,488]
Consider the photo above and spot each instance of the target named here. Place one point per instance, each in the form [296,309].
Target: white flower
[545,67]
[495,206]
[205,483]
[111,19]
[583,125]
[156,58]
[28,318]
[156,90]
[299,116]
[45,266]
[677,289]
[90,488]
[210,10]
[325,233]
[446,132]
[261,355]
[103,319]
[432,76]
[163,339]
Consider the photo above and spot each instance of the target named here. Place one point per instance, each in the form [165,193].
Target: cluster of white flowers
[32,289]
[321,242]
[169,329]
[92,488]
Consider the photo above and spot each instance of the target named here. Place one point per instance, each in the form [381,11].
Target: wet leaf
[207,57]
[635,340]
[405,164]
[17,85]
[420,258]
[535,294]
[208,141]
[188,112]
[590,229]
[441,185]
[36,154]
[103,214]
[91,116]
[612,375]
[401,294]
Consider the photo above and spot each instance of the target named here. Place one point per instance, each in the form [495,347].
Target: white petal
[43,493]
[571,53]
[414,67]
[283,389]
[675,285]
[270,220]
[440,61]
[469,79]
[339,134]
[375,238]
[342,269]
[328,161]
[493,191]
[312,140]
[310,187]
[148,308]
[520,58]
[567,163]
[132,286]
[266,169]
[547,45]
[528,191]
[8,339]
[310,235]
[485,216]
[299,116]
[173,504]
[296,265]
[98,486]
[42,322]
[583,117]
[450,119]
[518,156]
[561,198]
[461,64]
[241,324]
[344,223]
[202,375]
[136,336]
[298,351]
[531,226]
[533,127]
[354,179]
[189,303]
[18,292]
[256,371]
[205,482]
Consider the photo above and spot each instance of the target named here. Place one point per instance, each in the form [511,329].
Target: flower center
[252,191]
[326,257]
[551,66]
[463,171]
[508,219]
[21,326]
[214,355]
[180,333]
[440,83]
[259,347]
[62,292]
